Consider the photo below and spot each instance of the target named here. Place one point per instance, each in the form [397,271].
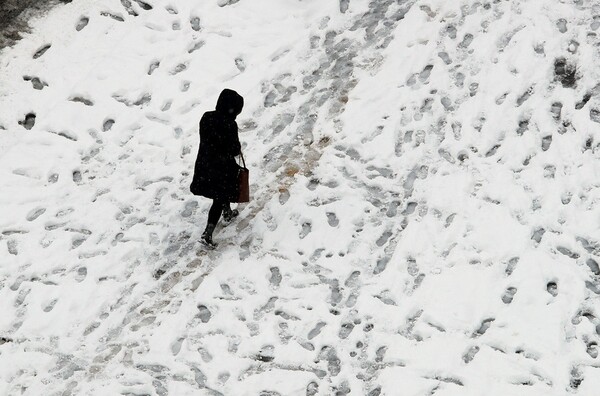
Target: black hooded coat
[216,170]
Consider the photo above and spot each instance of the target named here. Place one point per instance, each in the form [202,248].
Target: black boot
[206,238]
[229,214]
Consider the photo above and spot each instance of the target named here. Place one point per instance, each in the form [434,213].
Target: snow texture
[425,213]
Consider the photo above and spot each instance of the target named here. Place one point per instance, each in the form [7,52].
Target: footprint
[83,22]
[41,51]
[565,72]
[473,87]
[195,22]
[306,229]
[270,99]
[593,266]
[144,5]
[351,301]
[576,378]
[148,320]
[29,121]
[239,63]
[595,115]
[556,110]
[353,279]
[467,40]
[459,79]
[312,388]
[586,98]
[526,95]
[129,8]
[81,274]
[153,66]
[284,196]
[266,354]
[196,46]
[485,325]
[451,30]
[190,207]
[392,209]
[376,391]
[333,361]
[36,82]
[108,124]
[470,354]
[275,279]
[538,234]
[500,99]
[205,355]
[80,99]
[11,244]
[332,219]
[345,330]
[23,293]
[316,330]
[549,171]
[199,377]
[424,75]
[178,69]
[552,288]
[176,346]
[224,377]
[91,328]
[573,46]
[523,127]
[508,295]
[171,10]
[50,306]
[116,17]
[381,265]
[223,3]
[35,213]
[204,313]
[410,208]
[493,150]
[383,238]
[546,141]
[568,252]
[78,241]
[141,101]
[77,176]
[593,287]
[445,57]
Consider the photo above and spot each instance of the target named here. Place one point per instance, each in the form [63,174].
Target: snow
[424,214]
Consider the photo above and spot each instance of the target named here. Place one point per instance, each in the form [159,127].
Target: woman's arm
[234,143]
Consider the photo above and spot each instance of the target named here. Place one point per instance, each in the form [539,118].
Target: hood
[230,103]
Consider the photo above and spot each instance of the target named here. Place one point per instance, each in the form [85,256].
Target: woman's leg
[214,214]
[213,218]
[229,214]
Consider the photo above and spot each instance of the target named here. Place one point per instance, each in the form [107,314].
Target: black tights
[214,214]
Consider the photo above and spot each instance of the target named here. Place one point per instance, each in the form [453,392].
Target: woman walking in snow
[216,170]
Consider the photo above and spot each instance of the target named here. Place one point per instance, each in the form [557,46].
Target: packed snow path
[426,206]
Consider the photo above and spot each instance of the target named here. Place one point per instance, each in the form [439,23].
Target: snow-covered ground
[425,215]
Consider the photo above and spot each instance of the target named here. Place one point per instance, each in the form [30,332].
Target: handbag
[243,182]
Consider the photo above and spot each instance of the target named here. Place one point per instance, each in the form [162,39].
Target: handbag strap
[243,161]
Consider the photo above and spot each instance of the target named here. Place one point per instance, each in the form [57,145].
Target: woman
[216,170]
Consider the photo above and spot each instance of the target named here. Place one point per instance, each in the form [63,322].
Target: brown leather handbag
[244,182]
